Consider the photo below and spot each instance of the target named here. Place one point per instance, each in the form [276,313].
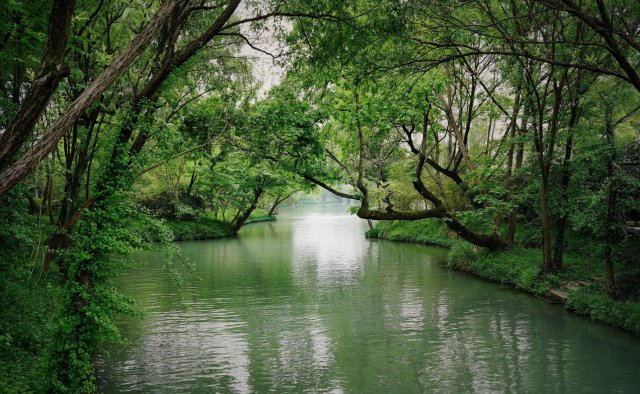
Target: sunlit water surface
[307,304]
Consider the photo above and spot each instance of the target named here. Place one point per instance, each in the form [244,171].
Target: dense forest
[510,128]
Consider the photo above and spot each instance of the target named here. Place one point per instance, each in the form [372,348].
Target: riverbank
[260,219]
[205,228]
[428,232]
[519,267]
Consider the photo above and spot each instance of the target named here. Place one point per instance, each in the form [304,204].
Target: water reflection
[307,304]
[328,247]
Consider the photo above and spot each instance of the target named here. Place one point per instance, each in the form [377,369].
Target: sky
[265,68]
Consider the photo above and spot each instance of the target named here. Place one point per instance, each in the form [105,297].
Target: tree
[31,113]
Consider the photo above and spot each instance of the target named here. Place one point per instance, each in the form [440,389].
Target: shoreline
[518,268]
[207,229]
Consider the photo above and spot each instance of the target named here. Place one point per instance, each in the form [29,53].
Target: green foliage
[29,299]
[528,234]
[213,144]
[260,215]
[461,256]
[24,25]
[517,267]
[202,228]
[373,233]
[98,250]
[596,305]
[426,231]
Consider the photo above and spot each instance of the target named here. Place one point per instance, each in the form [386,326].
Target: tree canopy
[516,124]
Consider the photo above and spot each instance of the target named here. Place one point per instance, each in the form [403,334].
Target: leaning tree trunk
[47,143]
[120,157]
[52,71]
[279,200]
[241,219]
[274,206]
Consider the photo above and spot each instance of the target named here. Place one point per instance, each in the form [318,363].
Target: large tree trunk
[544,142]
[52,71]
[119,164]
[491,241]
[16,172]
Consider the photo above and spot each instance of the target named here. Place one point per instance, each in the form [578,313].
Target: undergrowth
[427,231]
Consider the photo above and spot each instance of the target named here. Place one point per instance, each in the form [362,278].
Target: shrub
[426,231]
[596,305]
[517,267]
[203,228]
[372,233]
[461,256]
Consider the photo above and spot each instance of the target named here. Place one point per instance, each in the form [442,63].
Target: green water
[306,304]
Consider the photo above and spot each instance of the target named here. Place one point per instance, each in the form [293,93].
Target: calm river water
[307,304]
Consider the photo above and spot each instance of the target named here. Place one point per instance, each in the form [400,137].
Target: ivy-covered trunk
[89,301]
[90,257]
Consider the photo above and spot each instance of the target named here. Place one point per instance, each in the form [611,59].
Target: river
[307,304]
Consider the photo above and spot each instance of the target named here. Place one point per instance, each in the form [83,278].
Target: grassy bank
[427,231]
[259,219]
[520,267]
[202,228]
[517,267]
[207,227]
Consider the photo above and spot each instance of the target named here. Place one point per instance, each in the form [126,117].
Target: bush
[203,228]
[517,267]
[29,299]
[372,233]
[426,231]
[596,305]
[462,255]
